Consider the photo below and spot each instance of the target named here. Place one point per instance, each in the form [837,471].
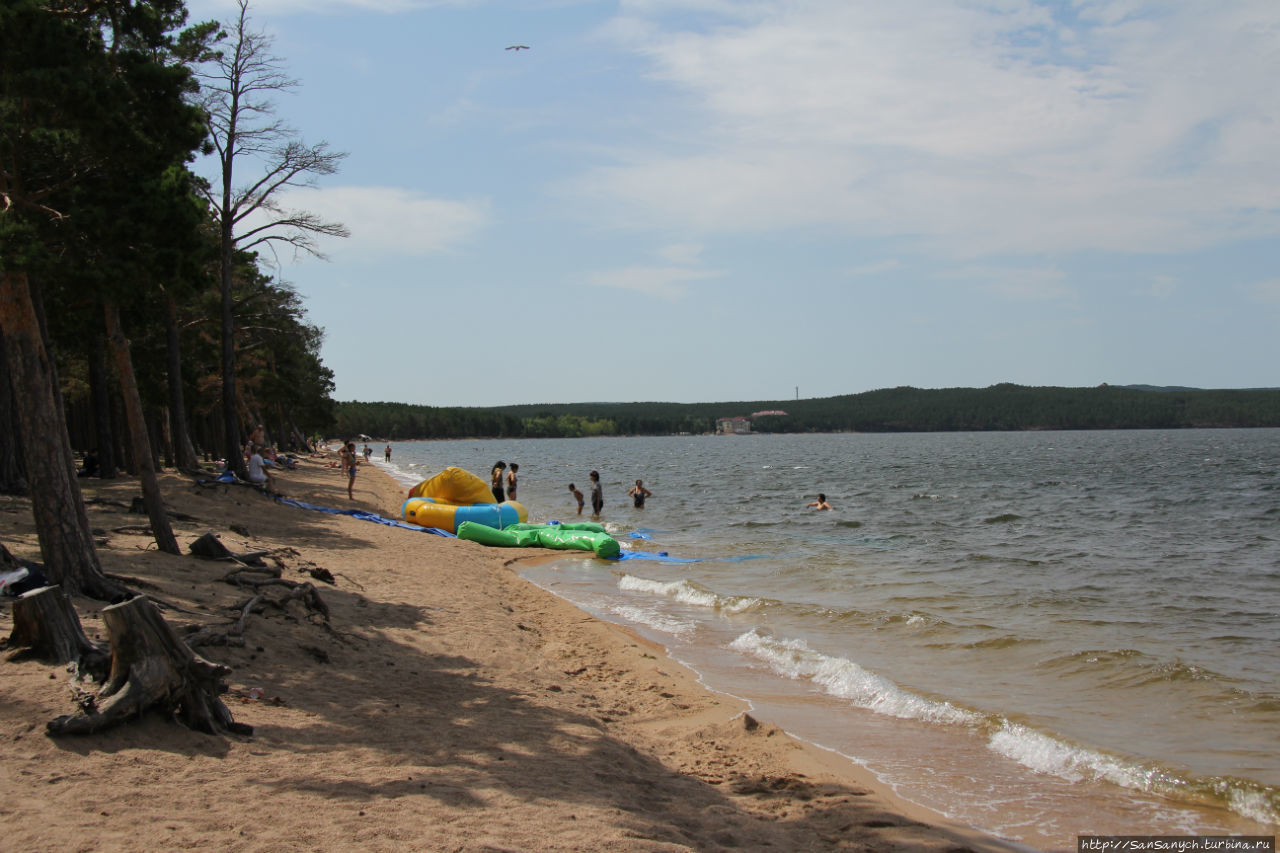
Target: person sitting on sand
[639,493]
[573,490]
[258,473]
[91,467]
[820,503]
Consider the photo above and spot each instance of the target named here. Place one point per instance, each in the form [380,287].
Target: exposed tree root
[152,668]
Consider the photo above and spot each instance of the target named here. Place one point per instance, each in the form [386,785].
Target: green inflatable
[582,536]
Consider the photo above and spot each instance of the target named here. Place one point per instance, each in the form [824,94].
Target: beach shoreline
[445,704]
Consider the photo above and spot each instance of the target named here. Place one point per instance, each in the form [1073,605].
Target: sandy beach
[444,704]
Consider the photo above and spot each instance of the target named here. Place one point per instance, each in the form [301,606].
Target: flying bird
[518,47]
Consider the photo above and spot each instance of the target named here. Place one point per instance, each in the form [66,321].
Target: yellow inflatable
[454,486]
[454,496]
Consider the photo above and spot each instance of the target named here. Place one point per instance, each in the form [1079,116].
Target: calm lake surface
[1041,634]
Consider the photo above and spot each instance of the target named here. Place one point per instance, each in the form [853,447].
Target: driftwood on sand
[152,668]
[210,547]
[258,579]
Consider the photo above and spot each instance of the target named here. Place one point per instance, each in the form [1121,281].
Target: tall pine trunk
[62,524]
[108,461]
[151,495]
[230,417]
[13,471]
[183,450]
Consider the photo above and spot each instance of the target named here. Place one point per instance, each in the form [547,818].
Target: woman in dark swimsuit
[511,481]
[495,481]
[639,493]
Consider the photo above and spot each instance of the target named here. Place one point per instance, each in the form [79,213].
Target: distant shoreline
[1000,408]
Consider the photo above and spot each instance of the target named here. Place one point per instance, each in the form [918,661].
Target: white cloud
[874,268]
[1020,284]
[664,282]
[388,220]
[681,253]
[1161,286]
[1267,292]
[979,128]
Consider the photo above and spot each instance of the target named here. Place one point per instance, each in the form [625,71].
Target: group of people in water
[504,486]
[504,481]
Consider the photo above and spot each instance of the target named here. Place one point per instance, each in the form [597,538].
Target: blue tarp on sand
[364,516]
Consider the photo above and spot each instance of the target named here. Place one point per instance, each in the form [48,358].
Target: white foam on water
[844,679]
[651,618]
[687,593]
[1045,754]
[405,478]
[1254,805]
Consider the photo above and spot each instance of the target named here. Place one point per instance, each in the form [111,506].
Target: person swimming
[820,503]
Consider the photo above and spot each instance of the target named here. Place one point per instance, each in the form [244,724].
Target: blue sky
[722,200]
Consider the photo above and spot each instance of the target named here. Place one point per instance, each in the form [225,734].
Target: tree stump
[210,547]
[152,668]
[46,626]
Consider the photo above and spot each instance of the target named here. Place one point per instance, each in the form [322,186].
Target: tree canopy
[105,237]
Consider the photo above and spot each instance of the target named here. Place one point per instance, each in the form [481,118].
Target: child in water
[573,490]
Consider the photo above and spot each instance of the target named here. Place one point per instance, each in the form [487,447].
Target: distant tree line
[999,407]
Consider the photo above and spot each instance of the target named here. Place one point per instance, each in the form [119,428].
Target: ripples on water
[1068,615]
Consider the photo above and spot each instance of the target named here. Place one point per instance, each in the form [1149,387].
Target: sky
[740,200]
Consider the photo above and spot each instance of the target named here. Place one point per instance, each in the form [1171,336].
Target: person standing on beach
[639,493]
[597,494]
[573,490]
[820,503]
[387,453]
[347,458]
[511,481]
[495,481]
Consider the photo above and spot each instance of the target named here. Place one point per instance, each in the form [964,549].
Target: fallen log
[152,668]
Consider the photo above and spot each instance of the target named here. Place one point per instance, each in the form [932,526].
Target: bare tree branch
[239,86]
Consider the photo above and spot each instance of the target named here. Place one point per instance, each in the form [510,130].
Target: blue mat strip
[364,516]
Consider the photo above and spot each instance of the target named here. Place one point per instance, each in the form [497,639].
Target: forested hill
[1000,407]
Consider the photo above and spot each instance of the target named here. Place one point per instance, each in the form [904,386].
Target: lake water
[1041,634]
